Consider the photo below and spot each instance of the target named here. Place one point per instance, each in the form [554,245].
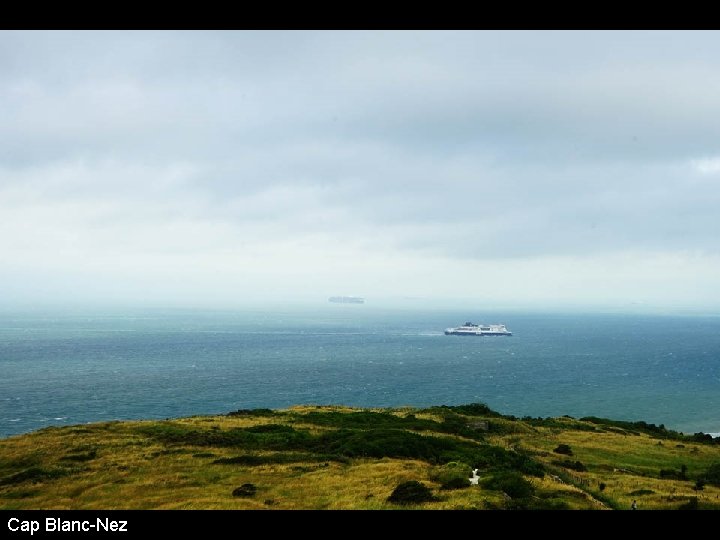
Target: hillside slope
[343,458]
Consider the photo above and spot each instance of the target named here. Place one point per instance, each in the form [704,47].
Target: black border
[339,523]
[481,16]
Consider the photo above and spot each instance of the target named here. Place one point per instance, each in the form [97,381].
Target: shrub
[712,475]
[564,449]
[673,474]
[457,425]
[635,428]
[252,412]
[473,409]
[572,465]
[270,428]
[340,444]
[511,483]
[32,474]
[457,482]
[499,458]
[453,475]
[246,490]
[83,456]
[21,494]
[699,484]
[602,486]
[379,443]
[266,437]
[702,437]
[368,420]
[411,492]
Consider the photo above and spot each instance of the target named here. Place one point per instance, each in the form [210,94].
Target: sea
[59,369]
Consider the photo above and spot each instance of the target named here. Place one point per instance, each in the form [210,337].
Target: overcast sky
[222,168]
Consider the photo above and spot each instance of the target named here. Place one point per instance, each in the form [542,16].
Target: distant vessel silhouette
[346,300]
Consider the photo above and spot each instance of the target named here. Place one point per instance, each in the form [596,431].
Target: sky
[224,168]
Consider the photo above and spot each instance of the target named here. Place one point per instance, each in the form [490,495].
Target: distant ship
[346,300]
[470,329]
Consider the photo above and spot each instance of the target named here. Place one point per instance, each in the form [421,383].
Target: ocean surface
[85,367]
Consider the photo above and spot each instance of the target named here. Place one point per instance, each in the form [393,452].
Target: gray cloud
[141,154]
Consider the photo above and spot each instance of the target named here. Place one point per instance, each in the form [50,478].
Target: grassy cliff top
[346,458]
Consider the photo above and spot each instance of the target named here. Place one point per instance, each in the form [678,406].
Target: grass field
[342,458]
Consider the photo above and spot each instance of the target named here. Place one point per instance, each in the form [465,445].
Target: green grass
[339,457]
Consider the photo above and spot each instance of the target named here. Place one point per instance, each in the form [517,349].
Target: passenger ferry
[470,329]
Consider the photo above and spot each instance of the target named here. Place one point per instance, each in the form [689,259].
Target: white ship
[470,329]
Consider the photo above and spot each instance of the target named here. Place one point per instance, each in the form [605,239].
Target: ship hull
[475,334]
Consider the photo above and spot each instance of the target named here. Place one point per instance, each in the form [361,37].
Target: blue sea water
[77,368]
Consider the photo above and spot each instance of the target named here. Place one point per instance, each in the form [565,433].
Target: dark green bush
[367,420]
[83,456]
[267,437]
[343,443]
[564,449]
[473,409]
[673,474]
[32,474]
[702,437]
[246,490]
[498,458]
[635,427]
[453,475]
[252,412]
[511,483]
[712,475]
[21,494]
[270,428]
[455,483]
[457,425]
[411,492]
[380,443]
[452,423]
[572,465]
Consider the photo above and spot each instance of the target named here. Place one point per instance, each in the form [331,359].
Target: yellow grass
[132,470]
